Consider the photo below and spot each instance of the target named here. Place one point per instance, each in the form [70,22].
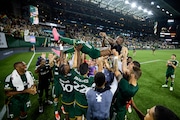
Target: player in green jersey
[81,83]
[63,83]
[18,85]
[86,48]
[170,72]
[128,85]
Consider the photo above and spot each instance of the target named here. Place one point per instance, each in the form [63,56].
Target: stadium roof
[142,9]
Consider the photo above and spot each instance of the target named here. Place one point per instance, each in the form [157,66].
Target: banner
[34,14]
[32,39]
[155,27]
[3,43]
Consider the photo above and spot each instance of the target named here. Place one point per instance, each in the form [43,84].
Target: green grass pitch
[150,92]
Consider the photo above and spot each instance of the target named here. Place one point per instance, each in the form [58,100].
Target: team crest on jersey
[98,97]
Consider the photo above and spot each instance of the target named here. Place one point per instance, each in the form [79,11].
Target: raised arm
[109,39]
[124,61]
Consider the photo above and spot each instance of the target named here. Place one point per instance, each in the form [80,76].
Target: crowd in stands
[16,27]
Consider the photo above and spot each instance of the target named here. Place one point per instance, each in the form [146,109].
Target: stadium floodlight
[126,2]
[158,6]
[139,8]
[145,10]
[150,13]
[167,12]
[171,14]
[152,3]
[133,5]
[163,10]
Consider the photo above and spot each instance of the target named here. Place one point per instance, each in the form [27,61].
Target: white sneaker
[164,86]
[171,88]
[41,109]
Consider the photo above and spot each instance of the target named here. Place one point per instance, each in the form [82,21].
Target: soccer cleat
[171,88]
[129,109]
[57,116]
[49,102]
[56,52]
[62,108]
[164,86]
[41,109]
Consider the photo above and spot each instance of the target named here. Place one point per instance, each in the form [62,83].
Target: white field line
[3,110]
[30,60]
[151,61]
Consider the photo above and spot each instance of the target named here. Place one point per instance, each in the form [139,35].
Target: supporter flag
[32,39]
[155,27]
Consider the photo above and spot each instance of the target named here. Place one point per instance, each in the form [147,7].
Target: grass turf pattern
[150,91]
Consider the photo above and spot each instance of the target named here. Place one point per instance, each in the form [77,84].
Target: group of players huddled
[96,88]
[99,88]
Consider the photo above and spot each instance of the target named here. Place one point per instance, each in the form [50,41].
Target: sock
[172,83]
[55,106]
[40,101]
[166,82]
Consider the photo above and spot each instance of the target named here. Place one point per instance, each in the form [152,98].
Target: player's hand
[79,47]
[102,34]
[124,51]
[43,55]
[32,90]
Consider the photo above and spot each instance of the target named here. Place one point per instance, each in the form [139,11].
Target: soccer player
[18,85]
[85,48]
[153,50]
[63,83]
[134,51]
[115,44]
[44,76]
[127,85]
[81,83]
[64,87]
[170,72]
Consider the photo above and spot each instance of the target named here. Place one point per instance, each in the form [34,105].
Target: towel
[17,81]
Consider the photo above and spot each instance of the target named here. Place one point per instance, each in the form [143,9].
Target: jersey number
[67,87]
[80,88]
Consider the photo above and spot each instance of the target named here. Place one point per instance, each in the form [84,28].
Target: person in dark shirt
[44,77]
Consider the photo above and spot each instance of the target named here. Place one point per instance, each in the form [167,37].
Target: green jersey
[125,92]
[170,68]
[67,89]
[81,84]
[9,86]
[87,48]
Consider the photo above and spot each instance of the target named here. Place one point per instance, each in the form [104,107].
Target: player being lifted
[86,48]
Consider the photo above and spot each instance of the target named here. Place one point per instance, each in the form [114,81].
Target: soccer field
[150,92]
